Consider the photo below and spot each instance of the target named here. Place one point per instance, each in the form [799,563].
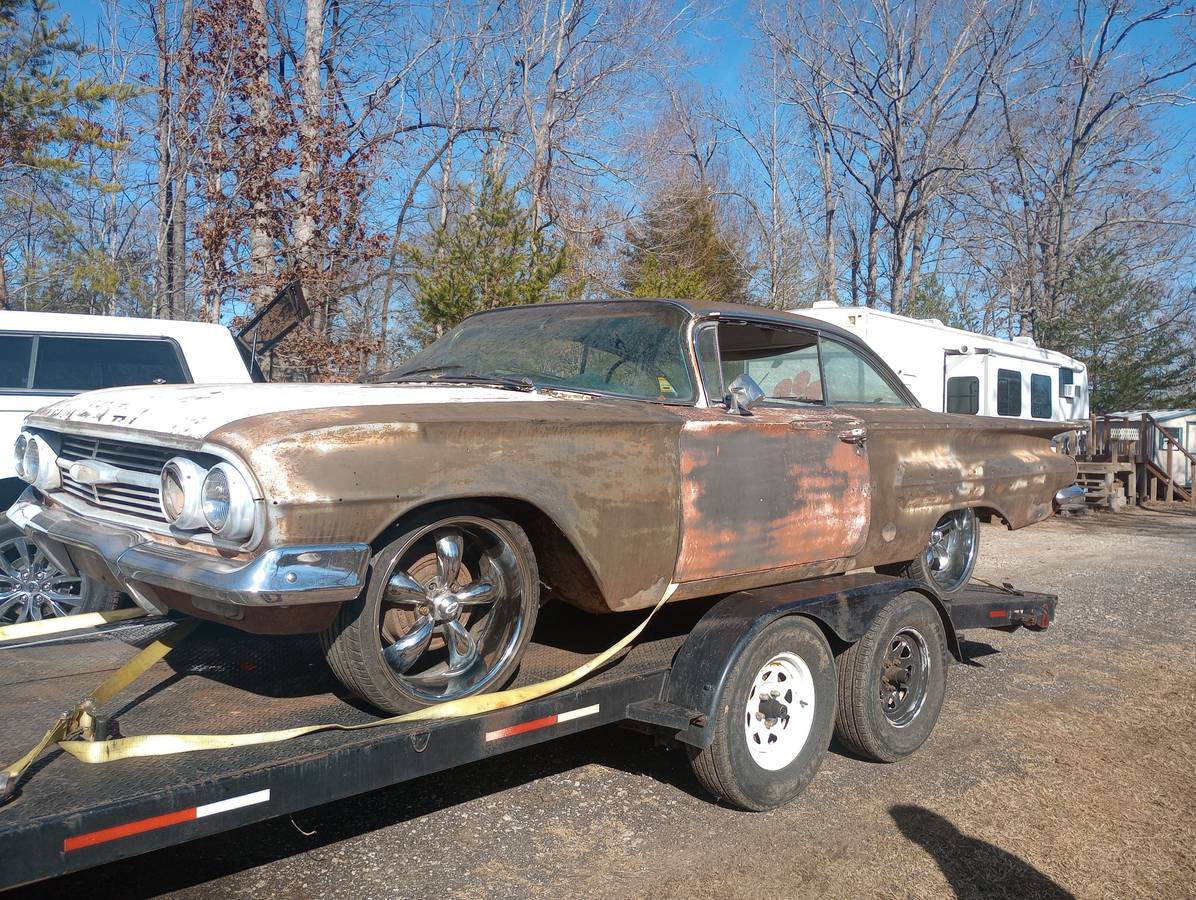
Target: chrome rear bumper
[282,576]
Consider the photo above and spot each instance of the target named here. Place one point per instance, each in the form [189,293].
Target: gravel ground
[1062,765]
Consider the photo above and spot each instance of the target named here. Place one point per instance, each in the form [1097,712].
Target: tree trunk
[309,135]
[164,243]
[261,247]
[182,146]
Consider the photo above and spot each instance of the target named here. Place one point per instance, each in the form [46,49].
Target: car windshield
[633,350]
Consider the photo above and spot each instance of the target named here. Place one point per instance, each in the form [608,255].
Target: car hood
[195,411]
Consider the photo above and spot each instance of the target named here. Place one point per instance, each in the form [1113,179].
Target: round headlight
[41,464]
[181,493]
[18,455]
[228,503]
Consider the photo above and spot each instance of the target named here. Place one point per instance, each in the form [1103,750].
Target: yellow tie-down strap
[61,624]
[165,744]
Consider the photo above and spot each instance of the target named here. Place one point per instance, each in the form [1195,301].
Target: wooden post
[1170,474]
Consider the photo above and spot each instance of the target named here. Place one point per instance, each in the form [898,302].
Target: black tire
[873,718]
[920,569]
[353,643]
[727,768]
[87,594]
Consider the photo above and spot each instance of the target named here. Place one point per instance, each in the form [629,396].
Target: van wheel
[448,609]
[774,719]
[950,556]
[33,588]
[892,681]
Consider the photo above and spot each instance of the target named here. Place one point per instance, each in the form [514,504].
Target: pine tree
[680,251]
[1121,327]
[484,258]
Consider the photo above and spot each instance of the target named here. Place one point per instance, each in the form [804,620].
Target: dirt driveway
[1064,764]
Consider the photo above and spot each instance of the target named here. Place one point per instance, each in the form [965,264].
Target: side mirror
[745,394]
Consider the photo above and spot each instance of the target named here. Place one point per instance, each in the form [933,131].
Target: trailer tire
[754,765]
[438,624]
[892,681]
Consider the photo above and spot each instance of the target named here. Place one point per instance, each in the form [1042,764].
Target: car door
[786,485]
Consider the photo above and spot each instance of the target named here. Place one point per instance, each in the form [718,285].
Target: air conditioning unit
[1069,391]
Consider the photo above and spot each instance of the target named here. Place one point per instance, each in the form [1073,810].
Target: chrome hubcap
[31,588]
[452,610]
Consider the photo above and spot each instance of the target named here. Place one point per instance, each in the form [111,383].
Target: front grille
[130,499]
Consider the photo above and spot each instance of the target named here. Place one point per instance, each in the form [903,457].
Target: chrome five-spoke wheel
[950,556]
[449,608]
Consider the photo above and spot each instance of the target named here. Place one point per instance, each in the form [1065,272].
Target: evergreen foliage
[484,258]
[1120,327]
[681,251]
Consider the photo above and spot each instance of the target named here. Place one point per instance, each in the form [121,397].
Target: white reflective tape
[210,809]
[577,713]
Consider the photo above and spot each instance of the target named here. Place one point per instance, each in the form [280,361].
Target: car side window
[85,364]
[853,379]
[708,363]
[783,361]
[15,351]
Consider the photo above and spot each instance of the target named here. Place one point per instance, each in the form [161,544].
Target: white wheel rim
[779,712]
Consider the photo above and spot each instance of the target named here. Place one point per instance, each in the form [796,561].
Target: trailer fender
[700,669]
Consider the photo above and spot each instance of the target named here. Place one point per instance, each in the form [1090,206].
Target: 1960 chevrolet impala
[592,452]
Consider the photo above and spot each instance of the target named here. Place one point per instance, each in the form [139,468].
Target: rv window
[14,361]
[1009,392]
[850,378]
[963,394]
[1040,396]
[1067,376]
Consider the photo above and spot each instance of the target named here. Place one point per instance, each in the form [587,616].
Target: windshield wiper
[519,384]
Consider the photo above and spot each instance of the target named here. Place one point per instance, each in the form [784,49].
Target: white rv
[952,370]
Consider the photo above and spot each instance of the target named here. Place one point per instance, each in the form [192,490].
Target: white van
[47,356]
[952,370]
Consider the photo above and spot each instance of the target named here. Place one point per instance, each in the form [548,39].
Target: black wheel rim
[951,553]
[452,615]
[904,673]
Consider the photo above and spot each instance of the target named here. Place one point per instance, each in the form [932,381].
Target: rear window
[1040,396]
[87,364]
[963,394]
[15,351]
[1009,392]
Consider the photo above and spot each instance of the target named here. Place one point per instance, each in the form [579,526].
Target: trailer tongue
[675,680]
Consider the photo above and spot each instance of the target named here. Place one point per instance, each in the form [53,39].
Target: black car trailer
[733,678]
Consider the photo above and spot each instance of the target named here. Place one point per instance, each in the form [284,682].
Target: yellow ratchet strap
[165,744]
[43,627]
[72,720]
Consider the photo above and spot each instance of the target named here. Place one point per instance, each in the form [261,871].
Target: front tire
[892,681]
[448,609]
[33,588]
[774,719]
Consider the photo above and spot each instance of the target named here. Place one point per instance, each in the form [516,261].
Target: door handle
[855,436]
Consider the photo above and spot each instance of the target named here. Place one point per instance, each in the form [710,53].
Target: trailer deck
[70,816]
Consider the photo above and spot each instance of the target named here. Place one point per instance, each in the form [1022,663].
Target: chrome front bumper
[283,576]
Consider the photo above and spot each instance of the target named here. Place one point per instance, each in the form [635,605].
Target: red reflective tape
[998,614]
[522,727]
[104,835]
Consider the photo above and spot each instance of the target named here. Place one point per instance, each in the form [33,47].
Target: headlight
[18,454]
[181,493]
[228,503]
[39,464]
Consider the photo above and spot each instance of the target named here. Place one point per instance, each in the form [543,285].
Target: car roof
[75,323]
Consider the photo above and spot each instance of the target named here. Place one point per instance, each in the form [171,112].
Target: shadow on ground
[974,868]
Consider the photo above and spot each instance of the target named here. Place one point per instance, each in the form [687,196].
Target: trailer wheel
[447,612]
[775,718]
[892,681]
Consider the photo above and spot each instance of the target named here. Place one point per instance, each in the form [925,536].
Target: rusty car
[597,453]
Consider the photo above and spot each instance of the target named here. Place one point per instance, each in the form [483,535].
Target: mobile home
[952,370]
